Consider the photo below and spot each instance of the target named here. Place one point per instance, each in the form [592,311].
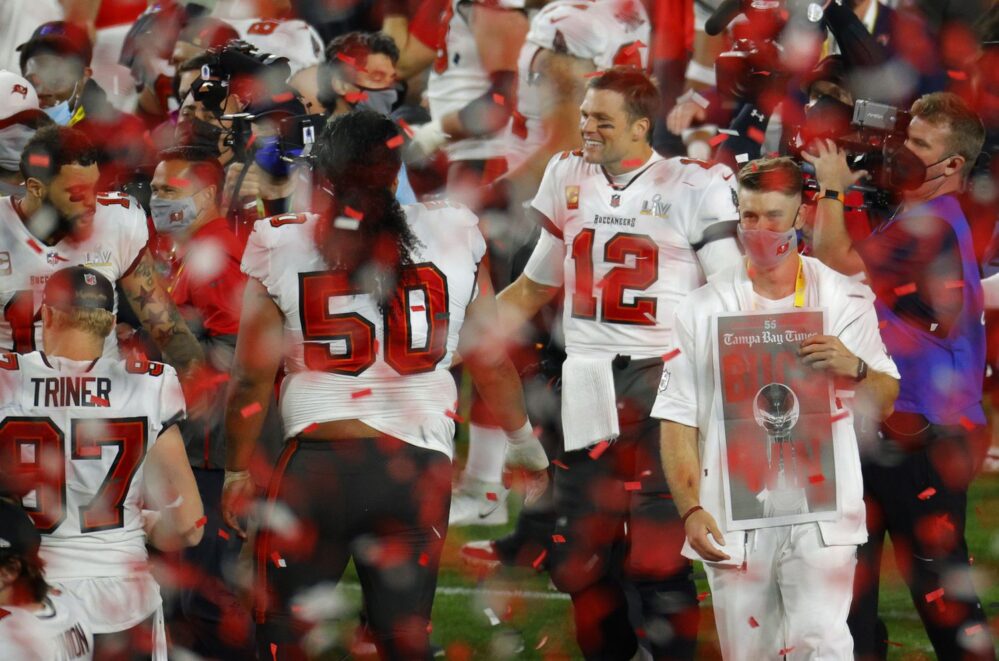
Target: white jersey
[457,77]
[628,246]
[687,391]
[59,631]
[344,361]
[81,431]
[604,32]
[291,38]
[112,248]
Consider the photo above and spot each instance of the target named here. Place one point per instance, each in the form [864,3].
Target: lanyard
[799,286]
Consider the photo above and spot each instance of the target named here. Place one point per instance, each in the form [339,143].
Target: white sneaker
[477,503]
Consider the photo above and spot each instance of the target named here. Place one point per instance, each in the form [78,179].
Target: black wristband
[831,194]
[861,371]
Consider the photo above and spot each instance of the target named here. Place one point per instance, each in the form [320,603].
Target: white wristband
[234,476]
[521,436]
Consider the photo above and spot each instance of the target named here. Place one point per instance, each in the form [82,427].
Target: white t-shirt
[343,361]
[605,32]
[687,390]
[59,631]
[457,76]
[629,249]
[112,248]
[85,428]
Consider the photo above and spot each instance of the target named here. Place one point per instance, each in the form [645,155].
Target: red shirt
[209,280]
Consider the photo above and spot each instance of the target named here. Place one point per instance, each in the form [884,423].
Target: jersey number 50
[642,275]
[320,327]
[33,453]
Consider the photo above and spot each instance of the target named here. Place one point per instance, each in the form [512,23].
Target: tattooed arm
[159,316]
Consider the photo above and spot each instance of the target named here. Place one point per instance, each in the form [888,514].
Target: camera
[870,138]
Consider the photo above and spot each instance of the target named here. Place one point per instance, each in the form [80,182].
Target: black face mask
[904,170]
[195,132]
[828,117]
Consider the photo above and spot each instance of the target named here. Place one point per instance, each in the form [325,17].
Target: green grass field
[535,621]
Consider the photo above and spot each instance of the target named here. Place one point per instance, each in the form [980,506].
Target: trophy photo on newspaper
[777,428]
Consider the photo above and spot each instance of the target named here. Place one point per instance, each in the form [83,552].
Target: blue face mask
[268,156]
[60,113]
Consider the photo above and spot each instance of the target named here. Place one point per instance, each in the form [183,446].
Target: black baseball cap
[18,535]
[58,37]
[78,287]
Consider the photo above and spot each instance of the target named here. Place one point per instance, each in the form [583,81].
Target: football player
[627,234]
[372,301]
[37,622]
[62,220]
[92,440]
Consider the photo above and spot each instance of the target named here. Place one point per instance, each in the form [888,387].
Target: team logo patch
[615,200]
[20,89]
[735,198]
[90,279]
[5,268]
[54,258]
[572,197]
[655,207]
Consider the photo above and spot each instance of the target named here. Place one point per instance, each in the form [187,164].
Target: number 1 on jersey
[641,276]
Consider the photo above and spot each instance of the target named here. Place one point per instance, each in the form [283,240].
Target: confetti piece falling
[353,213]
[223,534]
[34,246]
[493,620]
[424,559]
[558,539]
[313,427]
[593,74]
[99,401]
[632,486]
[966,423]
[752,622]
[973,630]
[200,523]
[360,393]
[454,416]
[785,651]
[702,596]
[817,479]
[671,355]
[927,493]
[406,128]
[954,284]
[632,163]
[39,160]
[933,596]
[283,97]
[560,465]
[278,560]
[905,290]
[540,559]
[599,449]
[394,142]
[251,409]
[756,135]
[355,97]
[491,496]
[717,140]
[841,415]
[541,643]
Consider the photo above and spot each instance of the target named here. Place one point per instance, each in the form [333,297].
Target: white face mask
[12,141]
[172,216]
[61,113]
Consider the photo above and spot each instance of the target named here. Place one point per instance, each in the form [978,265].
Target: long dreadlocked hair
[358,155]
